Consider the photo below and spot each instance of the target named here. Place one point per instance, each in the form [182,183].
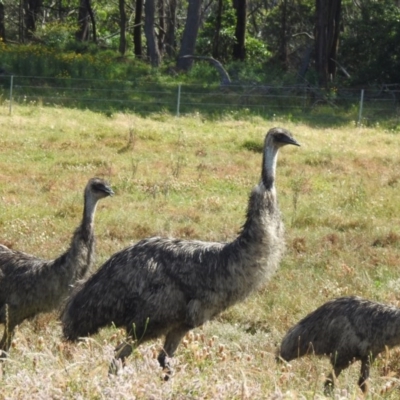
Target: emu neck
[270,158]
[79,257]
[262,214]
[89,211]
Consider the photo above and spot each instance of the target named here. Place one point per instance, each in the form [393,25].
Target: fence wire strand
[298,101]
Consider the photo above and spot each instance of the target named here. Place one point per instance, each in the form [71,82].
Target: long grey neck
[262,202]
[270,158]
[80,255]
[89,211]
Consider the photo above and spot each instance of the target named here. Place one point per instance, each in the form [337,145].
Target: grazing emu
[345,329]
[30,285]
[164,286]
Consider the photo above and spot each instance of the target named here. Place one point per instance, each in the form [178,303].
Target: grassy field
[190,178]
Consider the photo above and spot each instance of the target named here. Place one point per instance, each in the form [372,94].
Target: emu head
[279,137]
[97,188]
[274,140]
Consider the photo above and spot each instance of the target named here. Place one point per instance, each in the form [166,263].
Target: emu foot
[166,367]
[329,386]
[363,385]
[122,351]
[115,366]
[168,373]
[3,355]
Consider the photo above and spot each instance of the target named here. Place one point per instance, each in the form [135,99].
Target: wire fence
[302,102]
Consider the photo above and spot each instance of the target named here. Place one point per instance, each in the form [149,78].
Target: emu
[345,329]
[31,285]
[166,286]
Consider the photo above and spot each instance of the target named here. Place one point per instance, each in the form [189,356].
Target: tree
[137,29]
[122,27]
[239,48]
[2,24]
[283,51]
[85,13]
[161,25]
[31,10]
[217,34]
[288,33]
[326,38]
[149,18]
[170,41]
[370,43]
[189,35]
[218,25]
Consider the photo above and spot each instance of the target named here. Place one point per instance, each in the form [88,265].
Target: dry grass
[191,177]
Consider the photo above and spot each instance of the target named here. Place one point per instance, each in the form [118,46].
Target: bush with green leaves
[370,44]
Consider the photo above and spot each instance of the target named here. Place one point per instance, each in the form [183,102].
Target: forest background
[315,42]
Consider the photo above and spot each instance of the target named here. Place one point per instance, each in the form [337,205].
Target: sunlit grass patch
[190,178]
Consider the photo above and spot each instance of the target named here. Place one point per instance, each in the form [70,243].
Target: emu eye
[98,187]
[281,137]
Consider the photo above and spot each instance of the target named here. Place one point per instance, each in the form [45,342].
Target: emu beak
[290,140]
[109,191]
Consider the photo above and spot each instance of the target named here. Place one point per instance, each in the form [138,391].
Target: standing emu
[345,329]
[30,285]
[164,286]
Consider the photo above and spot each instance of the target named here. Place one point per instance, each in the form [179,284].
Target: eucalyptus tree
[239,47]
[170,28]
[137,29]
[327,28]
[190,33]
[85,17]
[32,9]
[149,21]
[122,27]
[2,22]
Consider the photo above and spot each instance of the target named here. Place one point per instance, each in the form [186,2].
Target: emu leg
[122,351]
[171,343]
[364,375]
[330,381]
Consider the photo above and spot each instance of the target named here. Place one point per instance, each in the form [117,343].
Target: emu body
[346,329]
[30,285]
[164,286]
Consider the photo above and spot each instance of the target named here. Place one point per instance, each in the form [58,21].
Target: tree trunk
[170,41]
[60,10]
[31,10]
[283,42]
[21,22]
[161,31]
[239,48]
[85,13]
[149,12]
[137,29]
[2,25]
[326,38]
[82,34]
[218,24]
[92,19]
[122,27]
[189,35]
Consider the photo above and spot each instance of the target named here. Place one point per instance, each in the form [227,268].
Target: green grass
[190,177]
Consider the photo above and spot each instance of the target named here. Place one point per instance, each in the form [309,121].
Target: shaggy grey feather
[30,285]
[345,329]
[164,286]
